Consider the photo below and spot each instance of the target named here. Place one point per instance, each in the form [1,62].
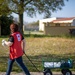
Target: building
[41,22]
[57,26]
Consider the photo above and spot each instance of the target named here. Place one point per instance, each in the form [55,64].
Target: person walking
[16,42]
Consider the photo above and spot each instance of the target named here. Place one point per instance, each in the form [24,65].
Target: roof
[63,20]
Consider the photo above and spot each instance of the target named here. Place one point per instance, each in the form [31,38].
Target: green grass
[40,47]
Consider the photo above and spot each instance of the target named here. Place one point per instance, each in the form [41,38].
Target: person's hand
[3,42]
[24,51]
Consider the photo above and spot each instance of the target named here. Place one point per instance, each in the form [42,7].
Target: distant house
[57,26]
[41,22]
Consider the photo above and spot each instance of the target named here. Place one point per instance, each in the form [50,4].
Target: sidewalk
[34,73]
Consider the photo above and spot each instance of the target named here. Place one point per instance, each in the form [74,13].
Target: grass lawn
[38,48]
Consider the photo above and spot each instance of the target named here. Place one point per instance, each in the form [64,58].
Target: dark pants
[20,63]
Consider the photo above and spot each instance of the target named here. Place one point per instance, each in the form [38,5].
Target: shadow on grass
[36,60]
[41,36]
[3,63]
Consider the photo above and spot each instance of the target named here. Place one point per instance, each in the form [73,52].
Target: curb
[33,73]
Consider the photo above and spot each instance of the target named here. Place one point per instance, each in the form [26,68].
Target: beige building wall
[54,24]
[58,30]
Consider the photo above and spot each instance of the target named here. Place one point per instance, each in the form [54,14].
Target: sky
[67,11]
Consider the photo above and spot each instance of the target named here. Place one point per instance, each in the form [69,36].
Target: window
[68,24]
[47,24]
[57,24]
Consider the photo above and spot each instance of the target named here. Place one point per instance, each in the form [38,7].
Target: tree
[5,24]
[31,7]
[4,9]
[34,23]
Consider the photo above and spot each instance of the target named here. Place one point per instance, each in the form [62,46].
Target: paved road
[34,73]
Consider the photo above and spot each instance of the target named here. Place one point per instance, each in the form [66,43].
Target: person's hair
[13,27]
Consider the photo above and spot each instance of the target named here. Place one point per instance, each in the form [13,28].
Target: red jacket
[16,49]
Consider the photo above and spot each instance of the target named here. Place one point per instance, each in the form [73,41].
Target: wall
[53,30]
